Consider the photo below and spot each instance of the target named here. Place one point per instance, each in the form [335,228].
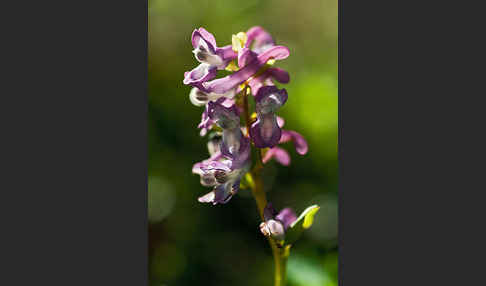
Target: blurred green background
[199,244]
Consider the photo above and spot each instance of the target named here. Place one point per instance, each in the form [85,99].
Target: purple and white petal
[206,50]
[273,228]
[202,73]
[200,98]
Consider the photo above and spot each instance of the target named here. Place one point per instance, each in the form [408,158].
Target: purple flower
[275,224]
[224,179]
[234,145]
[206,122]
[279,154]
[211,57]
[222,85]
[265,132]
[206,51]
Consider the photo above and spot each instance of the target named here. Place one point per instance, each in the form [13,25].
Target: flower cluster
[250,60]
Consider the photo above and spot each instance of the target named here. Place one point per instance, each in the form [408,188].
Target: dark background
[190,242]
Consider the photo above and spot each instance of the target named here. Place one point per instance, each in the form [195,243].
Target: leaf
[303,222]
[247,182]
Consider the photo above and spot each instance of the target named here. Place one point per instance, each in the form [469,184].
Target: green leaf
[303,222]
[247,182]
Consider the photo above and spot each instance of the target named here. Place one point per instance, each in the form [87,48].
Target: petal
[269,212]
[223,193]
[239,157]
[279,154]
[265,132]
[258,39]
[211,166]
[196,168]
[246,56]
[279,74]
[207,198]
[266,78]
[199,75]
[231,142]
[280,122]
[206,122]
[224,84]
[226,53]
[276,228]
[271,97]
[225,117]
[197,96]
[299,142]
[286,216]
[201,33]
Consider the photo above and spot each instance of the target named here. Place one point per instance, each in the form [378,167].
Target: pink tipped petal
[279,154]
[280,122]
[299,142]
[258,39]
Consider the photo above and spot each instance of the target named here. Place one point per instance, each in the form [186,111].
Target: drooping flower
[276,224]
[234,145]
[252,66]
[265,132]
[201,98]
[258,41]
[280,154]
[210,56]
[220,175]
[219,172]
[207,123]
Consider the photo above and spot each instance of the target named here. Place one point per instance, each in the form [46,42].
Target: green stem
[280,255]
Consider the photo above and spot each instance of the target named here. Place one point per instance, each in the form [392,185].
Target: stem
[280,255]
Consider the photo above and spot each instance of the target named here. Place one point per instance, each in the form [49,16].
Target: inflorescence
[250,60]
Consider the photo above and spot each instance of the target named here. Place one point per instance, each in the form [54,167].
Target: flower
[211,58]
[234,145]
[279,154]
[221,176]
[275,224]
[201,98]
[207,123]
[252,66]
[265,132]
[258,41]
